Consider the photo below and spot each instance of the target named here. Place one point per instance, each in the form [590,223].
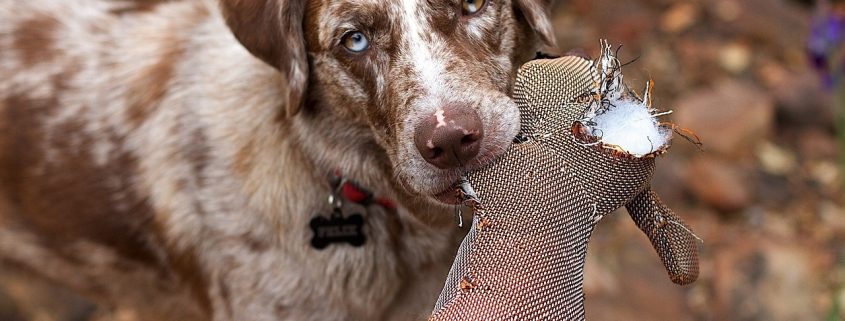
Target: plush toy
[587,147]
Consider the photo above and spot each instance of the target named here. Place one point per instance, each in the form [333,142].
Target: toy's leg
[671,237]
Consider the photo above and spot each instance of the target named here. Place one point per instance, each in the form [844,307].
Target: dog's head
[426,80]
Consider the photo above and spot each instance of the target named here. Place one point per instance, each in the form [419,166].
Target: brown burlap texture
[523,258]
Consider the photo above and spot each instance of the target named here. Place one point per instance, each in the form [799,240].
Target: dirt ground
[764,194]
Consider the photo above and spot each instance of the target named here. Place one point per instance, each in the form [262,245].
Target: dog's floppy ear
[272,31]
[537,14]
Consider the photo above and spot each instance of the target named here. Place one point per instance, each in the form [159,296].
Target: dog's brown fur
[150,161]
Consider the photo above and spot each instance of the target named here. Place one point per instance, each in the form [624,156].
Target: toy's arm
[671,237]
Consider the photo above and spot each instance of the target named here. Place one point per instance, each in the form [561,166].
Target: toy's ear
[537,14]
[272,31]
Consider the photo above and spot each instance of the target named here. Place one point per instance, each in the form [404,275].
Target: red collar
[357,194]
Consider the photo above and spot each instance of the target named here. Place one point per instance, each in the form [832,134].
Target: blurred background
[757,81]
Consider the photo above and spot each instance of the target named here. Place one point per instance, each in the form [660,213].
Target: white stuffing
[618,118]
[630,125]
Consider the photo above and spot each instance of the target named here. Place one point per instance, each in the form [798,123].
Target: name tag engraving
[337,229]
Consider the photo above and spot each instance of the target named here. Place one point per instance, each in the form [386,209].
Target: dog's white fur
[150,161]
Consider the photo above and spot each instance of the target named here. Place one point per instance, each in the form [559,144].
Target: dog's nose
[451,137]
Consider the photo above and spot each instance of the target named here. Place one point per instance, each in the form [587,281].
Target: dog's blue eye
[472,6]
[356,41]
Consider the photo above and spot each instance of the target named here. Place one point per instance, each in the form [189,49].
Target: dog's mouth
[441,185]
[427,176]
[449,196]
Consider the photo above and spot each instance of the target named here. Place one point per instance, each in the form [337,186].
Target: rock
[763,279]
[626,279]
[775,160]
[719,184]
[817,144]
[832,220]
[825,173]
[735,58]
[696,56]
[728,10]
[731,119]
[775,24]
[669,175]
[775,191]
[630,29]
[679,17]
[832,214]
[598,278]
[772,73]
[801,99]
[660,64]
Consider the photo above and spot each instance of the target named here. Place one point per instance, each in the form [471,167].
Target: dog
[166,157]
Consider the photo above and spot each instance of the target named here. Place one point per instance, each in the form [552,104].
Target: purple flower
[826,41]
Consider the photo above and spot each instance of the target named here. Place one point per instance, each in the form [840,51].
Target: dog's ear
[537,14]
[272,31]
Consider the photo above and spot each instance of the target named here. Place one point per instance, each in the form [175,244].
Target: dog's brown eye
[473,6]
[355,41]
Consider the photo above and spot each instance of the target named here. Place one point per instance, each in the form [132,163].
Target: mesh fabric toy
[536,207]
